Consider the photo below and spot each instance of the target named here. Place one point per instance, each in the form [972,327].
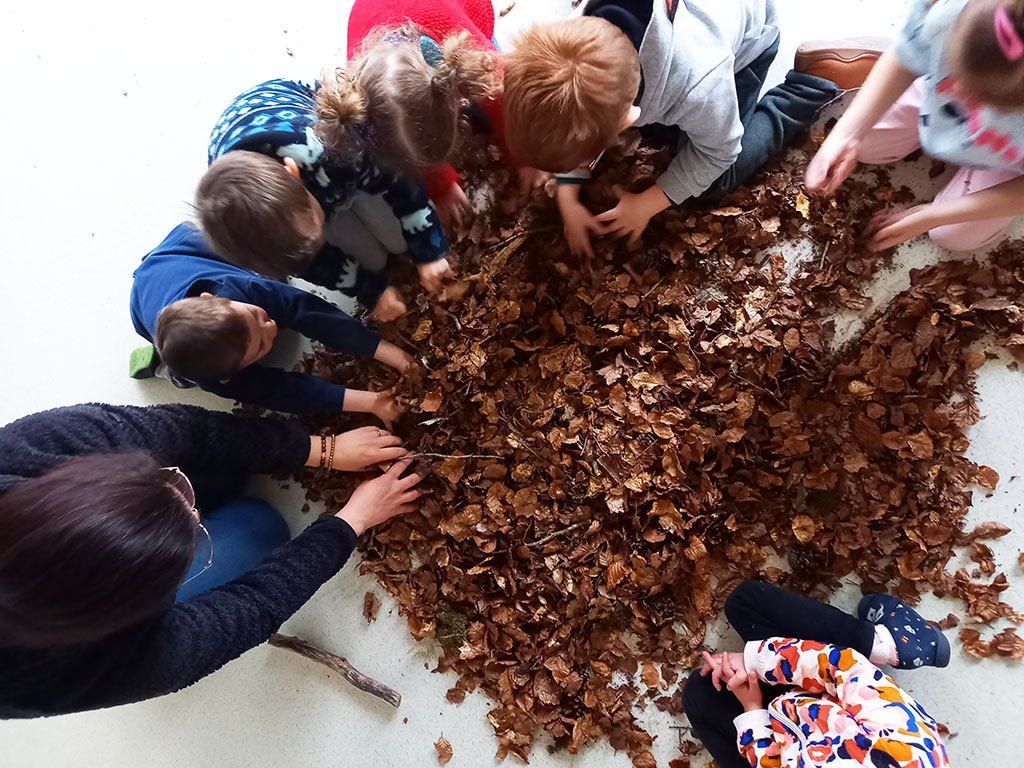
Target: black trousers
[759,611]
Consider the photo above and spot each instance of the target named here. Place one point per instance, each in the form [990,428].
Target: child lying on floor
[806,691]
[953,84]
[211,322]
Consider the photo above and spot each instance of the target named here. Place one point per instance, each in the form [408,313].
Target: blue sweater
[277,118]
[189,640]
[183,266]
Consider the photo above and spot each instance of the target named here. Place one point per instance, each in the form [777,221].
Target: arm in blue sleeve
[311,316]
[281,390]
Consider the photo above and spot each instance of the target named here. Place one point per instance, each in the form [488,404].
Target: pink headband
[1007,35]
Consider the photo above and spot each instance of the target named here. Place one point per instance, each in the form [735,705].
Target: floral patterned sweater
[841,711]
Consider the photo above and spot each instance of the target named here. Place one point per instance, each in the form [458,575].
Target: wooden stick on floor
[339,665]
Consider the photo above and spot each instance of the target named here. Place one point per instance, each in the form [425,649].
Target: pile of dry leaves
[617,442]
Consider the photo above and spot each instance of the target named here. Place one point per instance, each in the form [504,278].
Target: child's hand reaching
[390,306]
[889,228]
[531,178]
[434,273]
[832,163]
[632,214]
[386,409]
[714,663]
[577,221]
[452,206]
[391,355]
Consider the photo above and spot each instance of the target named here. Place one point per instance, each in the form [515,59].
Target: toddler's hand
[531,178]
[434,273]
[452,206]
[358,449]
[743,683]
[390,307]
[715,664]
[386,409]
[890,228]
[578,223]
[632,214]
[833,162]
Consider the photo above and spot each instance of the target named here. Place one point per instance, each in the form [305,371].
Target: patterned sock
[883,648]
[919,643]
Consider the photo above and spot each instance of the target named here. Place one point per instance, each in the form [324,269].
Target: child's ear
[205,295]
[631,117]
[292,167]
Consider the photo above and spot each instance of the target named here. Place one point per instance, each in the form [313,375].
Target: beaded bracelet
[323,450]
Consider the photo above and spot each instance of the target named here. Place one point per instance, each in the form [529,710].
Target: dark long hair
[92,546]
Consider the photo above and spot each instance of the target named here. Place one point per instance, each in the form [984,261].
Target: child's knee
[742,600]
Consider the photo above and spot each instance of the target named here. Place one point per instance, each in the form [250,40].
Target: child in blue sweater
[211,322]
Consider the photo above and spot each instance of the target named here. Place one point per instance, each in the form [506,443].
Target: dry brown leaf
[987,477]
[370,606]
[444,750]
[649,675]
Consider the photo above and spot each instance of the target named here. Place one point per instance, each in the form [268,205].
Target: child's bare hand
[452,206]
[578,223]
[715,665]
[631,216]
[889,228]
[832,164]
[390,306]
[743,683]
[386,409]
[531,178]
[434,273]
[358,449]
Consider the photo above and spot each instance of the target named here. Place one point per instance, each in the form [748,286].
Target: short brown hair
[202,338]
[978,60]
[568,86]
[414,108]
[248,204]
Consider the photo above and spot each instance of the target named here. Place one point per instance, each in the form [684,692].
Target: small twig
[821,262]
[541,542]
[455,456]
[339,665]
[660,280]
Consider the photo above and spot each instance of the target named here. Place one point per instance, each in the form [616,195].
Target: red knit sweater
[439,19]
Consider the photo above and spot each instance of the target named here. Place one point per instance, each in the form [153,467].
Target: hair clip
[431,51]
[1007,35]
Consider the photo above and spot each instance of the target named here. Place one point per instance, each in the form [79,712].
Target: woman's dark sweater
[189,640]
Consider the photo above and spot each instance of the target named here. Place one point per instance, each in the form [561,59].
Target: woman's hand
[359,449]
[889,228]
[452,206]
[434,273]
[382,498]
[832,163]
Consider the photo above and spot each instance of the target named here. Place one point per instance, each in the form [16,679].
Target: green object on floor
[143,362]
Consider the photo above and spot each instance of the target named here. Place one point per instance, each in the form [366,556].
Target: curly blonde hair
[412,110]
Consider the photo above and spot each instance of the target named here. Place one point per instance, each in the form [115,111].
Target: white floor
[106,115]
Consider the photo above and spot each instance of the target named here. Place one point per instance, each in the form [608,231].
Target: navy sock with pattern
[919,643]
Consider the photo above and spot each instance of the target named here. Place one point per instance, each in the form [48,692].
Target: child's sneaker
[845,62]
[919,643]
[143,362]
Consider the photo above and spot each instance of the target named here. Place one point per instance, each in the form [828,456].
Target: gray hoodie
[689,67]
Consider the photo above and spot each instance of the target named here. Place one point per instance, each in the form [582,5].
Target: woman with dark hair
[109,588]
